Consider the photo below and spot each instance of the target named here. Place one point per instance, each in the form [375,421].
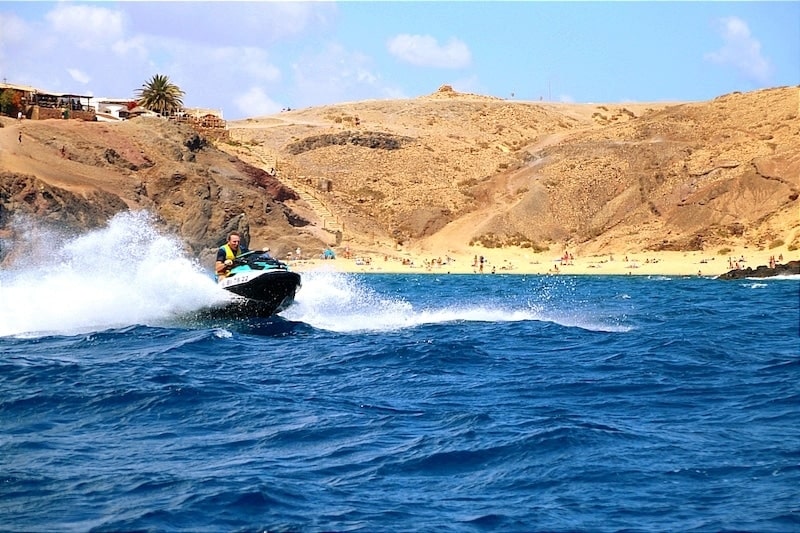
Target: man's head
[234,239]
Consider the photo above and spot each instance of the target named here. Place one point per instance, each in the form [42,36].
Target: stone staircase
[329,221]
[290,176]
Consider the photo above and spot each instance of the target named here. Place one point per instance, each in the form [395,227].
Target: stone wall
[42,113]
[213,134]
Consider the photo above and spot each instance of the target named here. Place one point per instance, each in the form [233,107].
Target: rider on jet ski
[227,253]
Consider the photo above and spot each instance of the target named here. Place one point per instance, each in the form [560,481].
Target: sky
[250,59]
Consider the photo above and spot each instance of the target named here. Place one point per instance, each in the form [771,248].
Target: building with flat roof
[37,104]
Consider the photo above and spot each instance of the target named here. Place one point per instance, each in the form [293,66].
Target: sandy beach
[519,261]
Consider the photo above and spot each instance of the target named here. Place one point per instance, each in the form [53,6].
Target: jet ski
[263,285]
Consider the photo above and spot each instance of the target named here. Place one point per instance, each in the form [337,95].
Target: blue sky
[256,58]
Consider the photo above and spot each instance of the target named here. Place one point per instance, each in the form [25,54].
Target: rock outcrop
[792,268]
[75,176]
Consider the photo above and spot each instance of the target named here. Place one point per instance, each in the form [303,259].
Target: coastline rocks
[763,271]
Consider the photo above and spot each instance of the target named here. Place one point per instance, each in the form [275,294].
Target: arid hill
[451,169]
[442,172]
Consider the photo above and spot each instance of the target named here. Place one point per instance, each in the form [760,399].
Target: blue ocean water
[393,402]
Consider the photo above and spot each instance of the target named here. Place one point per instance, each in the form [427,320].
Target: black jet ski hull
[261,292]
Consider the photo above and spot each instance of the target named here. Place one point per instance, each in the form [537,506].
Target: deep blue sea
[428,402]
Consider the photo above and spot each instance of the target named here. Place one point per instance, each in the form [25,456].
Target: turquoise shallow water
[402,402]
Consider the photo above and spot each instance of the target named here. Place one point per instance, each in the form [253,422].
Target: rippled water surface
[415,403]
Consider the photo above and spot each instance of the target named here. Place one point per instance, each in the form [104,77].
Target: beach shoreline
[519,261]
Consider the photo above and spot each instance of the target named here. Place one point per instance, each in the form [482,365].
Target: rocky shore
[792,268]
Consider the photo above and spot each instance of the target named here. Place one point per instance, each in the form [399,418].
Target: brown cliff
[76,175]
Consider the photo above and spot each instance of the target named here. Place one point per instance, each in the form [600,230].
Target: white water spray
[125,273]
[343,303]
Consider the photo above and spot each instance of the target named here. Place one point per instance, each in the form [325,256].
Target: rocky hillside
[453,169]
[442,172]
[76,175]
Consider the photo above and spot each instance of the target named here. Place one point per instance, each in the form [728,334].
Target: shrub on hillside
[492,240]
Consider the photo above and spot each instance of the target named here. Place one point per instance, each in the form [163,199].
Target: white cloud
[14,31]
[297,17]
[135,47]
[255,102]
[12,28]
[741,50]
[230,23]
[425,51]
[334,74]
[79,76]
[211,76]
[366,77]
[254,62]
[88,27]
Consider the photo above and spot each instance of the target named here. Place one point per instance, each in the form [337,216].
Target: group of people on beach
[739,264]
[736,264]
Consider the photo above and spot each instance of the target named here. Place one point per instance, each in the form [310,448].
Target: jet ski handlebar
[258,256]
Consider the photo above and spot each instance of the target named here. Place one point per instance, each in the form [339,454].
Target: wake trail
[343,303]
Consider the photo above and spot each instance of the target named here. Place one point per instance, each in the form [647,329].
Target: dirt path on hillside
[30,157]
[12,150]
[274,122]
[454,237]
[36,156]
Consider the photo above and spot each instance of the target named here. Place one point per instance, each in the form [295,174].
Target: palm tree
[160,95]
